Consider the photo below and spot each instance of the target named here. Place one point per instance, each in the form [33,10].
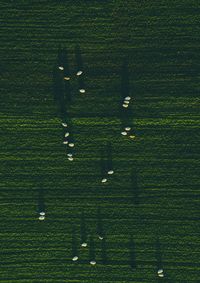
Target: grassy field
[149,209]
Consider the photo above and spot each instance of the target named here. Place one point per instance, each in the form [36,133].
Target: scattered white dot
[127,98]
[125,105]
[110,172]
[82,90]
[69,154]
[126,101]
[124,133]
[160,271]
[65,142]
[61,68]
[132,137]
[161,275]
[64,125]
[42,213]
[128,128]
[75,258]
[70,158]
[100,238]
[41,217]
[71,144]
[92,262]
[79,73]
[66,134]
[66,78]
[104,180]
[84,245]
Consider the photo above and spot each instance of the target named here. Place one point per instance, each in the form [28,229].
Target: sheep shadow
[41,201]
[79,67]
[132,253]
[135,187]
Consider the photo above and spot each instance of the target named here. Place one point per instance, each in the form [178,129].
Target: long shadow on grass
[125,113]
[41,201]
[61,86]
[104,256]
[79,66]
[106,160]
[103,164]
[158,255]
[100,230]
[109,156]
[92,249]
[132,253]
[83,229]
[74,243]
[135,187]
[58,88]
[125,83]
[66,78]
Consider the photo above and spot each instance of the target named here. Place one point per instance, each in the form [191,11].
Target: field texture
[148,211]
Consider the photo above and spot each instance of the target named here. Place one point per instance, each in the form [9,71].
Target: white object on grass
[65,142]
[127,98]
[61,68]
[125,105]
[104,180]
[160,271]
[79,73]
[69,154]
[82,90]
[110,172]
[132,137]
[64,125]
[161,275]
[126,101]
[41,217]
[84,245]
[124,133]
[71,144]
[66,134]
[100,238]
[66,78]
[127,128]
[92,262]
[75,258]
[70,158]
[42,213]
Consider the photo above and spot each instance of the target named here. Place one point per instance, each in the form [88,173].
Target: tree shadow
[135,187]
[132,253]
[104,256]
[91,249]
[41,201]
[83,229]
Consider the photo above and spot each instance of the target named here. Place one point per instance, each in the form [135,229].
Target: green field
[148,224]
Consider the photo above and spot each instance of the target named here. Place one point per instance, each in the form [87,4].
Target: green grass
[161,41]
